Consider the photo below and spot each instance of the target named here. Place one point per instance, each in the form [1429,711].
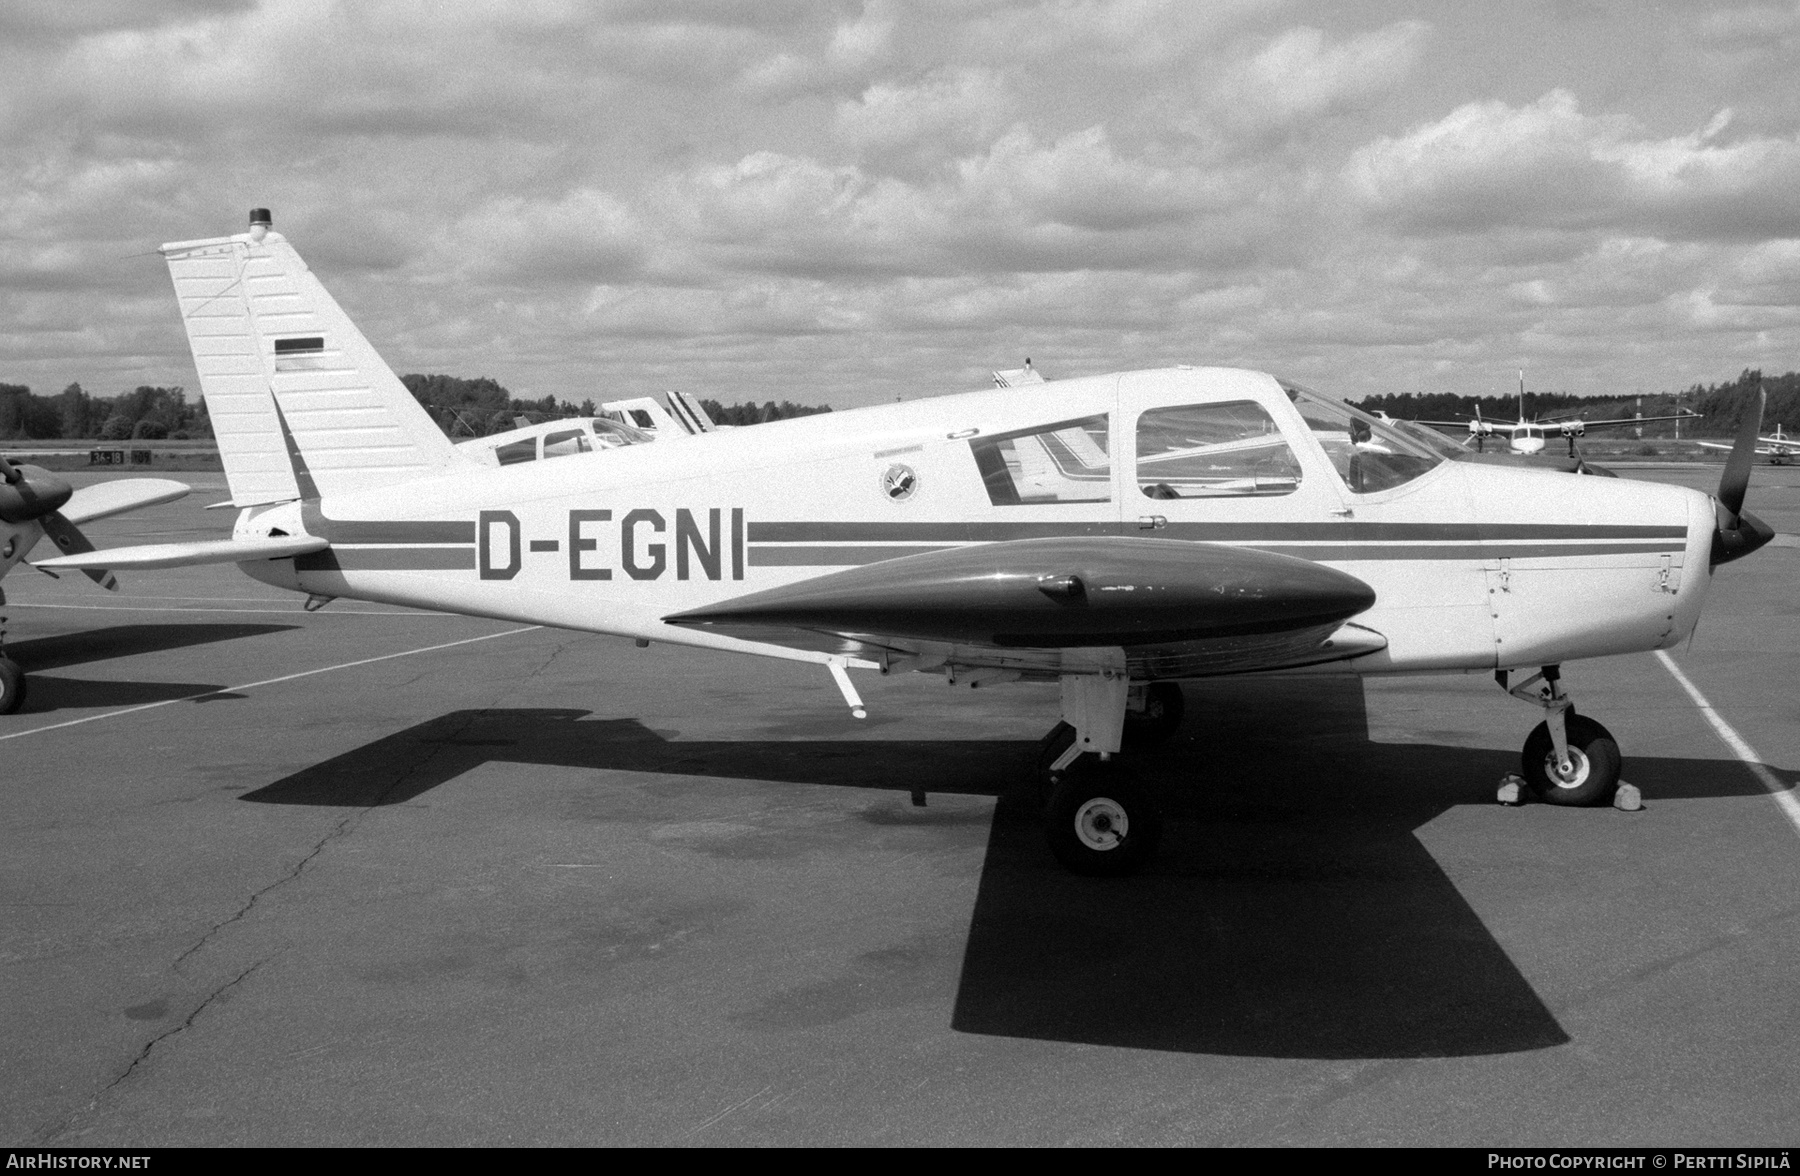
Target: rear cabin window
[1228,450]
[514,452]
[1070,461]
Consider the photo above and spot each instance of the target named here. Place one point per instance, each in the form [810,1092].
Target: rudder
[293,389]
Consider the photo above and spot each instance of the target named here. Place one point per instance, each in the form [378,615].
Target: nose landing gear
[1568,759]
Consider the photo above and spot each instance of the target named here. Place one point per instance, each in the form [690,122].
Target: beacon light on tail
[1115,534]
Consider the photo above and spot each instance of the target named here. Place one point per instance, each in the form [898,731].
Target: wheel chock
[1512,790]
[1628,799]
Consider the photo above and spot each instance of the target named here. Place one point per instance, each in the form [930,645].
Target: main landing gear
[1099,821]
[1568,758]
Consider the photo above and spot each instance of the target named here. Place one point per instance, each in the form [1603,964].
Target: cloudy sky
[846,202]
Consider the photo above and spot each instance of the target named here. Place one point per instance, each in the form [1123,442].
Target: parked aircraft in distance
[1527,437]
[1778,447]
[1113,534]
[621,422]
[34,503]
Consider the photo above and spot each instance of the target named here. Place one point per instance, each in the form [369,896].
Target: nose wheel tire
[1163,708]
[12,686]
[1594,764]
[1099,821]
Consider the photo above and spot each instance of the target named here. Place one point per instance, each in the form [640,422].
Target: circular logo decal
[899,482]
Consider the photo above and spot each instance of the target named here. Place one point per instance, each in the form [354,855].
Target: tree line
[144,414]
[461,407]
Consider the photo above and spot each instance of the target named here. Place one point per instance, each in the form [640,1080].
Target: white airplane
[1778,447]
[1528,437]
[34,503]
[1113,534]
[621,422]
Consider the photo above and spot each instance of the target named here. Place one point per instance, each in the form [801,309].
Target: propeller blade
[9,473]
[1735,483]
[68,537]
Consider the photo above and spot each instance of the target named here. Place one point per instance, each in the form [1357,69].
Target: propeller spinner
[29,494]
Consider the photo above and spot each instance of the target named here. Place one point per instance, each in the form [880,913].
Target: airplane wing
[102,500]
[1680,416]
[1029,606]
[181,555]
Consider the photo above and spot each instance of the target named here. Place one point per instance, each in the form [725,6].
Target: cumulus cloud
[946,113]
[855,48]
[1299,76]
[1488,164]
[845,200]
[584,237]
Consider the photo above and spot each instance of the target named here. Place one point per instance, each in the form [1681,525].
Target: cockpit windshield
[1370,454]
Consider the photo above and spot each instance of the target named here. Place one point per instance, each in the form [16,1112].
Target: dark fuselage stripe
[844,556]
[815,557]
[379,559]
[828,532]
[390,531]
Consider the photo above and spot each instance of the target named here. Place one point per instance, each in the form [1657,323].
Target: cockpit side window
[1222,450]
[1369,453]
[1070,461]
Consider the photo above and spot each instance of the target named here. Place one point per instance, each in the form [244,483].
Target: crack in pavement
[49,1134]
[343,826]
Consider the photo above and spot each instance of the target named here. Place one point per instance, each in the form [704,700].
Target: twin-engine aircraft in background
[1115,534]
[1778,447]
[34,503]
[1529,436]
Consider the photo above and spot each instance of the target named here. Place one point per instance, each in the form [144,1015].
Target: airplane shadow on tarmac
[50,693]
[1291,911]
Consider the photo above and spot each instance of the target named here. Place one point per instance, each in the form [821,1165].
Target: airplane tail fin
[688,412]
[301,404]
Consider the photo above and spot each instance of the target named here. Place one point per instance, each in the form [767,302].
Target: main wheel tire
[1163,708]
[1593,756]
[1100,822]
[12,686]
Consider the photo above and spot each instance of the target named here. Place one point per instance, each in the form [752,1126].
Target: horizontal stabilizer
[183,555]
[102,500]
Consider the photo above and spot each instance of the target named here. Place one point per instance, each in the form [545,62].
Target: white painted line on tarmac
[367,661]
[196,608]
[1784,796]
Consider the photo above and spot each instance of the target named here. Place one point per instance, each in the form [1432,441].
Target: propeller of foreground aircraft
[1740,532]
[30,494]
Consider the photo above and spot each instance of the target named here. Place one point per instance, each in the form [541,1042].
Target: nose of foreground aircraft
[28,493]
